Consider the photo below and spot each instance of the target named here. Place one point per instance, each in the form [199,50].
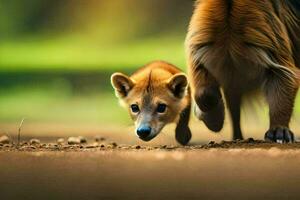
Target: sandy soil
[119,166]
[106,170]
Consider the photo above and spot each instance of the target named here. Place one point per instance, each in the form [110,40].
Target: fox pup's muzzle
[143,132]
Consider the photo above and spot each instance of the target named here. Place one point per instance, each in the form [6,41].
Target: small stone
[60,141]
[4,139]
[222,142]
[216,145]
[250,140]
[170,147]
[102,145]
[74,140]
[99,138]
[34,141]
[24,143]
[137,147]
[95,144]
[7,146]
[82,139]
[114,144]
[211,143]
[238,140]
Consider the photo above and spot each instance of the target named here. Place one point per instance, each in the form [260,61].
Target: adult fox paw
[280,135]
[214,118]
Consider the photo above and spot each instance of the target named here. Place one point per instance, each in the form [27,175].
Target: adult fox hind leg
[280,95]
[233,100]
[209,103]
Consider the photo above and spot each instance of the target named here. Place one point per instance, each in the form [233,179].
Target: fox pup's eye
[135,108]
[161,108]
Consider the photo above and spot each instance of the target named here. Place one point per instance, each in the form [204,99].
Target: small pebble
[60,141]
[114,144]
[211,143]
[74,140]
[137,147]
[4,139]
[222,142]
[82,139]
[7,146]
[250,140]
[95,144]
[24,143]
[170,147]
[216,145]
[34,141]
[99,138]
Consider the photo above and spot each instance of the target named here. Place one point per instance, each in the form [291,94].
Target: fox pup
[240,46]
[155,95]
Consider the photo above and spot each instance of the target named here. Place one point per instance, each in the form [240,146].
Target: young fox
[155,95]
[244,45]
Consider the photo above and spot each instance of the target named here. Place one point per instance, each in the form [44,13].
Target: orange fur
[240,46]
[156,83]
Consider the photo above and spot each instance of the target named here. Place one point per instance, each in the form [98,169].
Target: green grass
[73,53]
[57,106]
[50,103]
[39,103]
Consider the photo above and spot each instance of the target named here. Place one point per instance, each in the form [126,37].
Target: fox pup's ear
[178,85]
[122,84]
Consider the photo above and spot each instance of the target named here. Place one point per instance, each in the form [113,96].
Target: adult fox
[240,46]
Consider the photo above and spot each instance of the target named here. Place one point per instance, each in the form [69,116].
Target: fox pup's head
[153,96]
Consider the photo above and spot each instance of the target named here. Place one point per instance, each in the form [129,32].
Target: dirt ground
[118,166]
[227,170]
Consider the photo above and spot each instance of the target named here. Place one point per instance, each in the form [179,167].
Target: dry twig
[19,132]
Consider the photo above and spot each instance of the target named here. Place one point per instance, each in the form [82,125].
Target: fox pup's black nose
[144,131]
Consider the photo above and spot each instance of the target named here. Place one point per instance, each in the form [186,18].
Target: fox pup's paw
[280,135]
[183,135]
[214,118]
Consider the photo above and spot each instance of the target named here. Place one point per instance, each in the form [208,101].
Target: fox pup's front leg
[183,133]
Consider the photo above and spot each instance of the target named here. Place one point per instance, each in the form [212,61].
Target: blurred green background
[56,56]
